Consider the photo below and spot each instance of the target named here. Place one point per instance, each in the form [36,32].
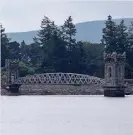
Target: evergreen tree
[24,51]
[23,47]
[49,38]
[94,59]
[110,35]
[46,31]
[69,31]
[122,38]
[35,54]
[68,35]
[129,66]
[43,40]
[4,46]
[130,35]
[80,58]
[14,49]
[58,53]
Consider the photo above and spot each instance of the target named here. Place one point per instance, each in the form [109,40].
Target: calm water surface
[66,115]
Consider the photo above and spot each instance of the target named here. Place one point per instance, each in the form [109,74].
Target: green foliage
[73,49]
[129,65]
[26,69]
[4,46]
[118,38]
[68,32]
[122,37]
[46,32]
[51,45]
[130,35]
[94,59]
[24,50]
[14,50]
[56,49]
[3,72]
[110,35]
[115,37]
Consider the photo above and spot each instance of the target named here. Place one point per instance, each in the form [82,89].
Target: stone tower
[114,74]
[12,68]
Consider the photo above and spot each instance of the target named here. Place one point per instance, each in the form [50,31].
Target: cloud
[25,15]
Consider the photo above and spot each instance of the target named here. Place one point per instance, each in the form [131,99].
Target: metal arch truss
[60,78]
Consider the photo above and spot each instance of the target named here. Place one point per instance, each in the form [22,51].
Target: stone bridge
[50,83]
[72,83]
[64,84]
[60,84]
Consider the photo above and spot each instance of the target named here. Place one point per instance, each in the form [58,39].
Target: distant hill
[86,31]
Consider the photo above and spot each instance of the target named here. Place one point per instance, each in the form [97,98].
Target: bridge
[59,79]
[113,83]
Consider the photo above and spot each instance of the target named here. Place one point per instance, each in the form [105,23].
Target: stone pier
[114,74]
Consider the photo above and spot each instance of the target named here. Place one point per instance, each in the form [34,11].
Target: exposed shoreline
[56,90]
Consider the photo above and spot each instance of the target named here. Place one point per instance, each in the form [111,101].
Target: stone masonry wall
[63,89]
[60,90]
[129,84]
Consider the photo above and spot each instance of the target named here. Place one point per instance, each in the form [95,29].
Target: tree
[58,53]
[68,35]
[43,40]
[122,38]
[94,59]
[129,65]
[110,35]
[46,31]
[23,50]
[56,58]
[69,31]
[14,49]
[4,46]
[116,38]
[36,55]
[79,58]
[130,35]
[26,69]
[54,51]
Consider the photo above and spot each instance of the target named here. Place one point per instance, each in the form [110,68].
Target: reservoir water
[66,115]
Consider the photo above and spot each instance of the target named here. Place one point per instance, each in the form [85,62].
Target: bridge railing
[60,78]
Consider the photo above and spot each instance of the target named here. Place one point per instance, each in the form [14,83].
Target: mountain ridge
[90,31]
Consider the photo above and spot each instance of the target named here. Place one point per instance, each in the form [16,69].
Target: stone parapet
[115,56]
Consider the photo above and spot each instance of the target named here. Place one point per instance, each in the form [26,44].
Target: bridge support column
[12,69]
[14,88]
[114,75]
[110,91]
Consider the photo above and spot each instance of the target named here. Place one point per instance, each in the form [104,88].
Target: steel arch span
[59,78]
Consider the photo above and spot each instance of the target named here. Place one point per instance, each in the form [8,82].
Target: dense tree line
[55,49]
[119,38]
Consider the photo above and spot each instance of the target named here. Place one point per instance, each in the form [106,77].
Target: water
[66,115]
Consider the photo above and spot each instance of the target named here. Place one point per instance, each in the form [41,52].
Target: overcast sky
[26,15]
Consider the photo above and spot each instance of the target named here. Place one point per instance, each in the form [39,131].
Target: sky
[26,15]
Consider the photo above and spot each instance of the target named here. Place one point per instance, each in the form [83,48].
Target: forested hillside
[56,49]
